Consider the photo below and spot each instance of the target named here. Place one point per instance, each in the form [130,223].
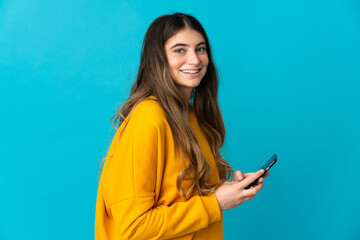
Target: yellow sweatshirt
[137,194]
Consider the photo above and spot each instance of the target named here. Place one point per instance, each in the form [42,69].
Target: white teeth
[190,71]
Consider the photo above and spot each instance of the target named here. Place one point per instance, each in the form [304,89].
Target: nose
[193,58]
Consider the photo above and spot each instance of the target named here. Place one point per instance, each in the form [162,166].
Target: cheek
[174,63]
[174,68]
[205,60]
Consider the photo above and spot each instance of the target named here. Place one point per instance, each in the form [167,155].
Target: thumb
[238,176]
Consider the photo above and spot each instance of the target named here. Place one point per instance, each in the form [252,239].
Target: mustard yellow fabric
[137,194]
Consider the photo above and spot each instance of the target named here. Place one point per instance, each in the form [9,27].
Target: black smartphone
[266,167]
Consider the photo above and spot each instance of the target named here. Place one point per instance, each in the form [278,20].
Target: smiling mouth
[190,71]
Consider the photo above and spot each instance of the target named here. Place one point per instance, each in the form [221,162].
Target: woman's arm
[137,218]
[129,183]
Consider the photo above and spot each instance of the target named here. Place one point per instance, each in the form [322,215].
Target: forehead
[187,36]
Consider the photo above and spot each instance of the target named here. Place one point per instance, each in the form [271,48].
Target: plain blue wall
[289,73]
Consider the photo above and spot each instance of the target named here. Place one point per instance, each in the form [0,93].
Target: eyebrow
[185,45]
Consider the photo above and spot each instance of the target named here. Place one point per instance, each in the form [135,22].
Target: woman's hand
[238,176]
[232,194]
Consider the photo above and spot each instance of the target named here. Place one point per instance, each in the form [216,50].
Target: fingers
[251,178]
[238,176]
[251,193]
[258,187]
[255,189]
[250,173]
[266,174]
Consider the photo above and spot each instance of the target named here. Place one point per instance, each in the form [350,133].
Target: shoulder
[148,108]
[148,111]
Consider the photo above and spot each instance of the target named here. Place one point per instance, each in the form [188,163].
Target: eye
[201,49]
[179,50]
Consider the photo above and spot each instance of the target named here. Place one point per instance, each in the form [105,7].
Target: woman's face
[187,58]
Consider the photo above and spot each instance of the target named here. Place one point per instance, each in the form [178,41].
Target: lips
[190,71]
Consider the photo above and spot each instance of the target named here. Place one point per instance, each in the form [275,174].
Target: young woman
[164,177]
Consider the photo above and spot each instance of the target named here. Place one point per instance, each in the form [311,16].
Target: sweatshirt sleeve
[129,181]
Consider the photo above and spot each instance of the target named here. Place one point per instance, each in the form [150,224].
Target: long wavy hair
[154,79]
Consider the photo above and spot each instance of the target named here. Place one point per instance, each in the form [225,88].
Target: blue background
[289,73]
